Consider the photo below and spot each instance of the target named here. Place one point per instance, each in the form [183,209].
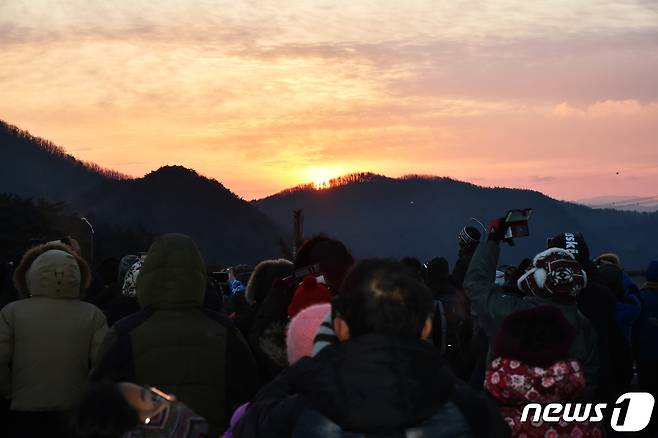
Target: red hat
[308,293]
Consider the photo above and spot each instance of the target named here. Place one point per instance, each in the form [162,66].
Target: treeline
[48,146]
[27,222]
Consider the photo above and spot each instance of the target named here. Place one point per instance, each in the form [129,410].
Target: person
[176,344]
[598,303]
[48,339]
[127,410]
[555,279]
[627,306]
[321,256]
[647,332]
[468,239]
[299,343]
[453,325]
[532,365]
[124,302]
[382,379]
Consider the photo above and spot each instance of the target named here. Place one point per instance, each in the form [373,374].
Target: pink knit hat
[302,330]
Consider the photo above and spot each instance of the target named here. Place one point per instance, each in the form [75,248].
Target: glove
[496,230]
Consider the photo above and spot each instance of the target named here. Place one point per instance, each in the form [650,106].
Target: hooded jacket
[372,385]
[514,384]
[50,338]
[492,305]
[175,344]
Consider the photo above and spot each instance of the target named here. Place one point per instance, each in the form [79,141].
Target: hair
[380,296]
[19,275]
[437,273]
[414,266]
[331,254]
[104,412]
[539,336]
[263,277]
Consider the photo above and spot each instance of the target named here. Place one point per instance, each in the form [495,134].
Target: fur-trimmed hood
[53,270]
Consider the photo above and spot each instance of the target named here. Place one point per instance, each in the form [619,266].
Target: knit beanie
[574,243]
[130,281]
[539,336]
[302,330]
[308,293]
[55,273]
[554,274]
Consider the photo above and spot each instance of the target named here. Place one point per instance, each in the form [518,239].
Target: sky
[559,96]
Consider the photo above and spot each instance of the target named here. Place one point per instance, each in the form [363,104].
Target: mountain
[630,203]
[35,167]
[227,229]
[171,199]
[421,216]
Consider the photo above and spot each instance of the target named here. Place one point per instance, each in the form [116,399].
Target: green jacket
[492,305]
[177,345]
[49,340]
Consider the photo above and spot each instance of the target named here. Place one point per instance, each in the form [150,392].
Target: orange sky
[557,96]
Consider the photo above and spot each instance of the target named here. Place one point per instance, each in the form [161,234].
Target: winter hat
[574,243]
[124,265]
[308,293]
[302,330]
[130,281]
[54,273]
[609,258]
[539,336]
[554,274]
[651,276]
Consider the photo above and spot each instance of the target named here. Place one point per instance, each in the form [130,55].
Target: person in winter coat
[453,325]
[627,307]
[176,344]
[382,379]
[555,279]
[267,337]
[532,365]
[647,332]
[48,340]
[598,303]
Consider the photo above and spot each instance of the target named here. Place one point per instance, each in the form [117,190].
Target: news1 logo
[631,412]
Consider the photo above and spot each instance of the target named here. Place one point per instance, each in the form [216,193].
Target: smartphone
[219,276]
[516,222]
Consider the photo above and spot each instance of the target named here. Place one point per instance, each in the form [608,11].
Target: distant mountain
[35,167]
[175,199]
[630,203]
[421,216]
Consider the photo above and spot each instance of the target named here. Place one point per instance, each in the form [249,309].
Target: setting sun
[321,177]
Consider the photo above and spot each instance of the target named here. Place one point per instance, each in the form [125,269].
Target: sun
[321,176]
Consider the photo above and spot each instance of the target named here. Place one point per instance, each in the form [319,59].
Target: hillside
[35,167]
[175,199]
[421,216]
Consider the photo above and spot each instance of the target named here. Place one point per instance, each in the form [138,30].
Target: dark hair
[539,336]
[103,413]
[437,272]
[380,296]
[331,254]
[414,266]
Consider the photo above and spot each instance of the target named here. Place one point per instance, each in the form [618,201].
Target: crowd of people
[154,345]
